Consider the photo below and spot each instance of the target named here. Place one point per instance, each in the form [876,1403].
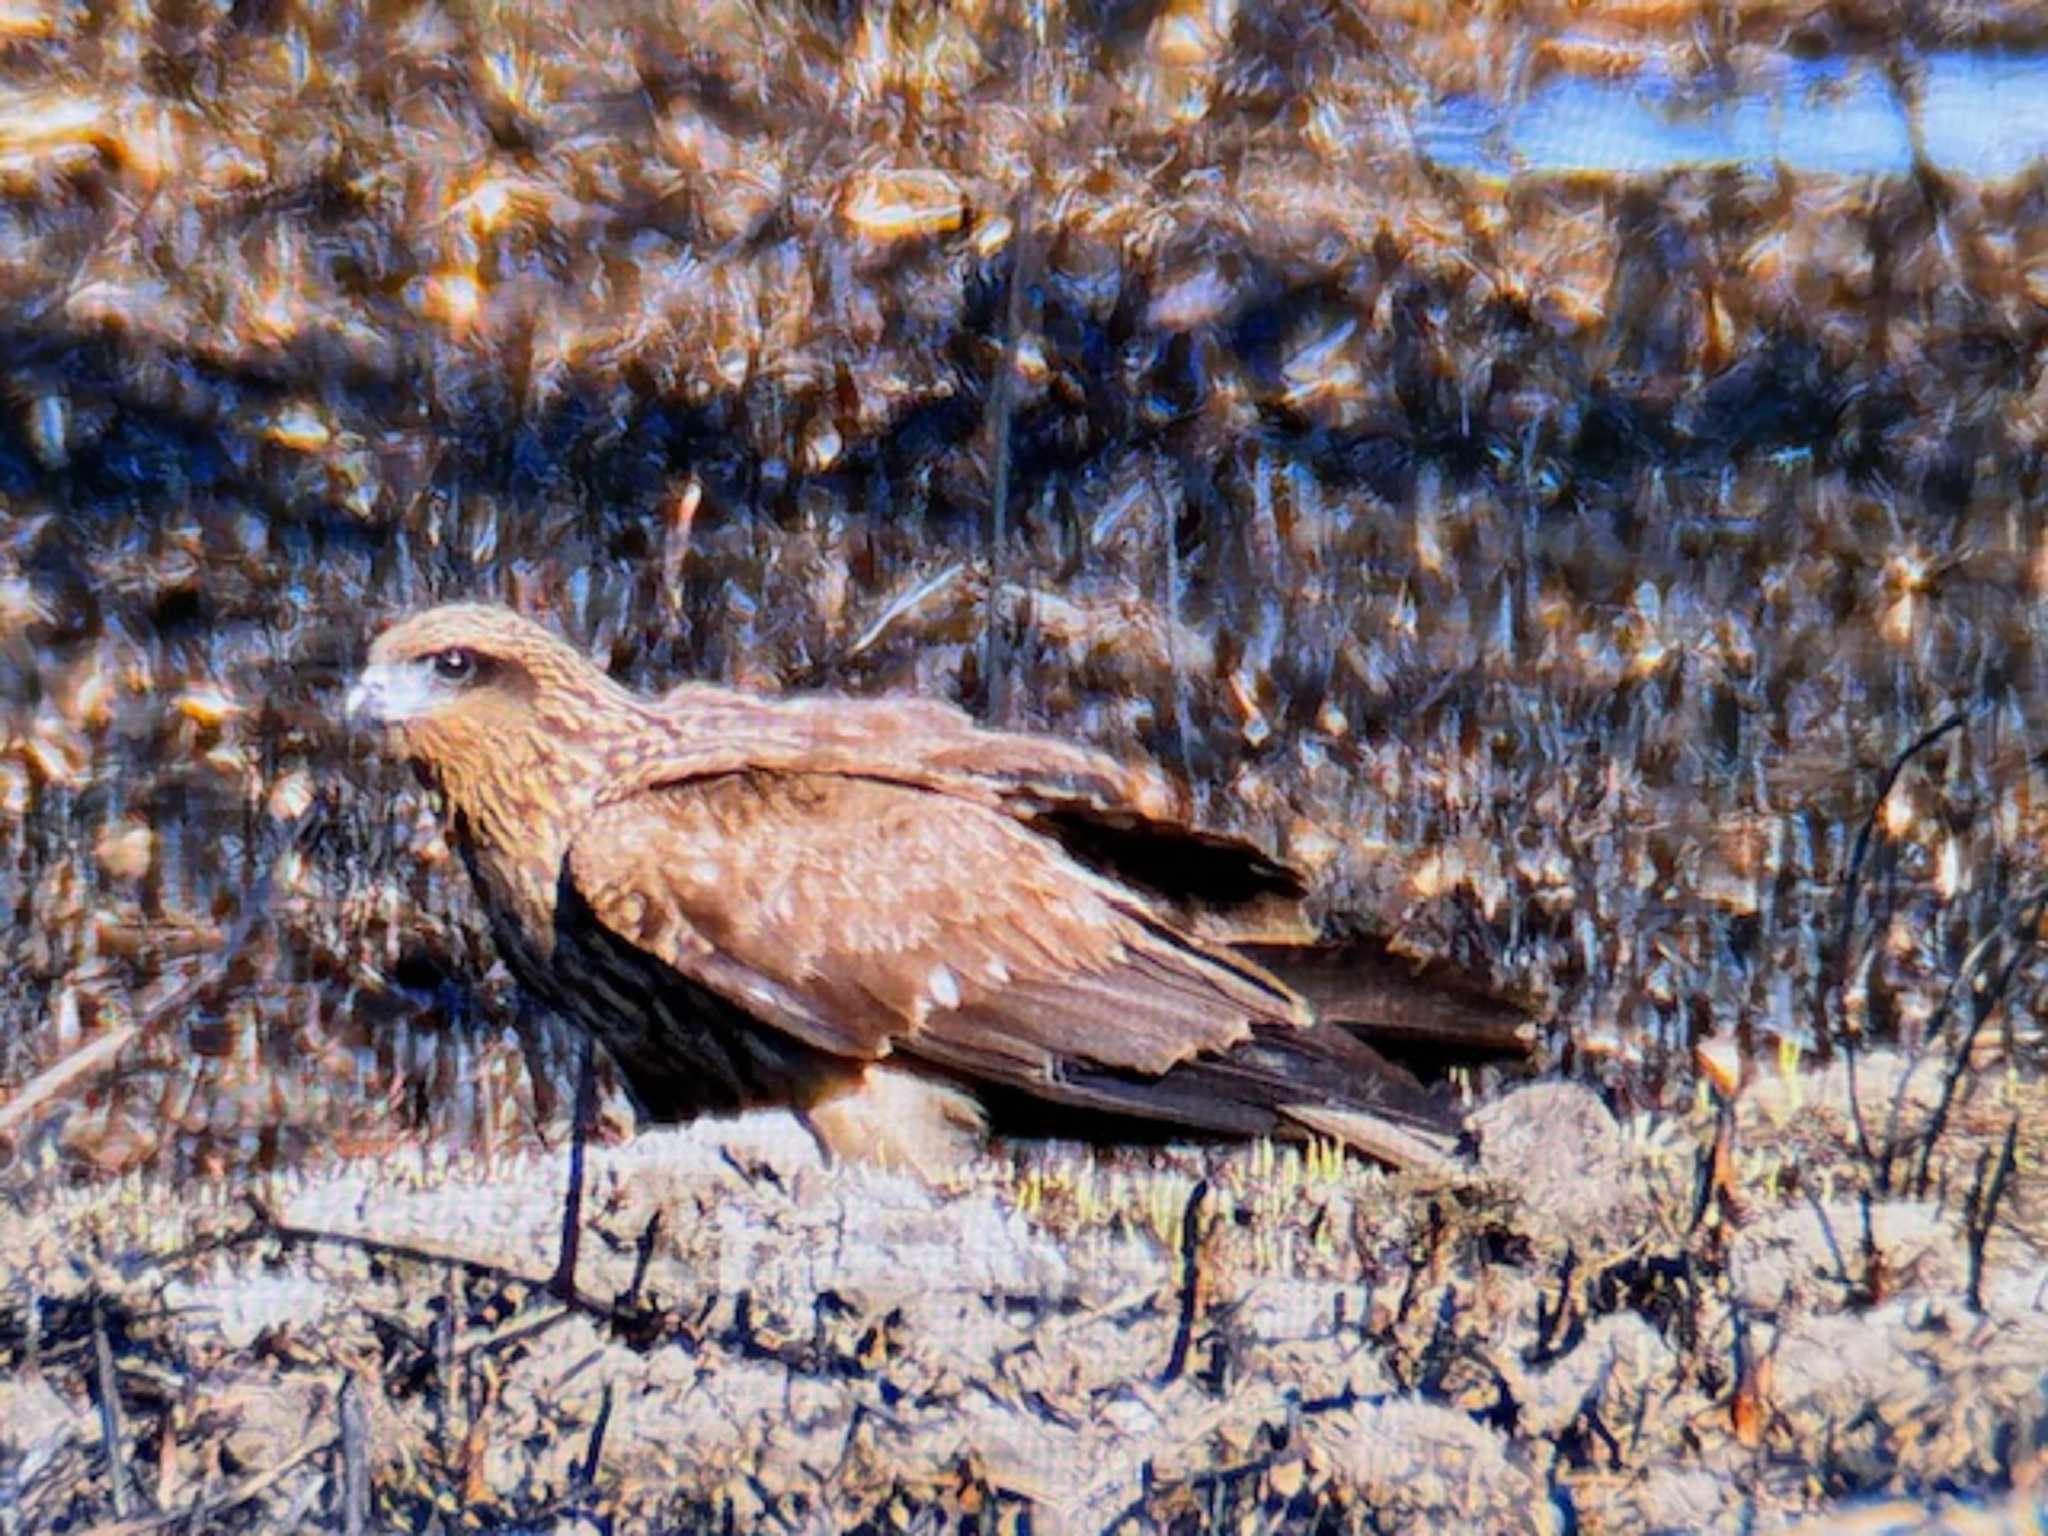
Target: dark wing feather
[1321,1079]
[1428,1013]
[868,917]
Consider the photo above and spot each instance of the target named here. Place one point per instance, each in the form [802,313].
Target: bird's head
[468,688]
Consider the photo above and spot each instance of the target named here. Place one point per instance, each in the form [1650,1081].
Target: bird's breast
[517,887]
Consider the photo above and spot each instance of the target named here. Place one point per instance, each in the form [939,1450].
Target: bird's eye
[455,665]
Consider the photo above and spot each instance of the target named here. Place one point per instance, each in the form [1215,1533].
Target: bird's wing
[916,740]
[867,917]
[910,740]
[1429,1011]
[1125,819]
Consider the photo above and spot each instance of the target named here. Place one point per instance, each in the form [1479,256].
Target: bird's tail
[1429,1016]
[1286,1079]
[1331,1078]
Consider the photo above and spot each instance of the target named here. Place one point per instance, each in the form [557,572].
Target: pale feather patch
[633,912]
[391,693]
[1410,1150]
[893,1118]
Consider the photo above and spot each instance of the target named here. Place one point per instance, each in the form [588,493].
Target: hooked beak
[387,695]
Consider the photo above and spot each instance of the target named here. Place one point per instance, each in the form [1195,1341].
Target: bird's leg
[563,1284]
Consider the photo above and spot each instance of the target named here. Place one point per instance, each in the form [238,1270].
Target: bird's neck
[516,803]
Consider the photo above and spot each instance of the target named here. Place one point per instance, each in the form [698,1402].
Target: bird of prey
[827,902]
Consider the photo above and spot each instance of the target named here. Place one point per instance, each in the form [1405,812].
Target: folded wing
[868,917]
[1122,818]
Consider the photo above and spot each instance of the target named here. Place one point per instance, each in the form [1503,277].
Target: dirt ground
[1718,1322]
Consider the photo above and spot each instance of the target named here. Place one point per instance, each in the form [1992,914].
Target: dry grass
[1714,1323]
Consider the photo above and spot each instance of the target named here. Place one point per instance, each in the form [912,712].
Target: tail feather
[1282,1081]
[1433,1014]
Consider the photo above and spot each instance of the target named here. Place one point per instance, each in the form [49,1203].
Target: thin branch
[1852,895]
[1937,1023]
[267,1225]
[1190,1273]
[1169,519]
[88,1061]
[1983,1209]
[593,1454]
[107,1388]
[194,1516]
[355,1457]
[995,670]
[98,1055]
[1983,1003]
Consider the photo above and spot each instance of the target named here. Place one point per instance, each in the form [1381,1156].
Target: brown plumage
[751,900]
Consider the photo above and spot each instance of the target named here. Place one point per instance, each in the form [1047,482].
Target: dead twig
[108,1390]
[1966,974]
[195,1516]
[1190,1273]
[96,1056]
[1175,675]
[1876,1273]
[1983,1208]
[498,1339]
[1852,894]
[88,1061]
[355,1457]
[1023,273]
[268,1225]
[1860,851]
[1984,1001]
[594,1453]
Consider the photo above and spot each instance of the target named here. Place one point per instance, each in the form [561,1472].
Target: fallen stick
[87,1061]
[241,1493]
